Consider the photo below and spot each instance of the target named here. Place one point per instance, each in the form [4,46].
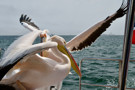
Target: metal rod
[120,70]
[127,43]
[99,85]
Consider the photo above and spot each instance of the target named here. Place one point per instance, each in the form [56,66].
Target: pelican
[79,42]
[34,71]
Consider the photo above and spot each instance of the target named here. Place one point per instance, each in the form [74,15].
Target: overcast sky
[62,17]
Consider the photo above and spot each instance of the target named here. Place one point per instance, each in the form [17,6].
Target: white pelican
[77,43]
[34,71]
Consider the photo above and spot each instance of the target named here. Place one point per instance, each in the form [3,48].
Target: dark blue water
[93,71]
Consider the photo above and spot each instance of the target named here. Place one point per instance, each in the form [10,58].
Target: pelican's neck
[63,58]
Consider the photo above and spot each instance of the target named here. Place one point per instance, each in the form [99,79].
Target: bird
[80,41]
[28,73]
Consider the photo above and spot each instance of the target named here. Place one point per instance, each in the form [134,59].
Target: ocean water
[93,71]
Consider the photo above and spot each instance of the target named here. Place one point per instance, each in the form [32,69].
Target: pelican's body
[30,72]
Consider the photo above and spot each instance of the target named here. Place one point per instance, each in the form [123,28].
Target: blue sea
[93,71]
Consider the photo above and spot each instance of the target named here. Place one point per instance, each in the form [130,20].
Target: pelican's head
[62,47]
[59,40]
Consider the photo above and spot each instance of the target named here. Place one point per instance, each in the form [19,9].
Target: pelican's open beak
[74,65]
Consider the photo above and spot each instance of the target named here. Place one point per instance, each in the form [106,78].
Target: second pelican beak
[74,65]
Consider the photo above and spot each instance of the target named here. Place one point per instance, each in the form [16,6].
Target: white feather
[29,27]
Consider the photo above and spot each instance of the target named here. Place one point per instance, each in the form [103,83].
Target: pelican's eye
[64,42]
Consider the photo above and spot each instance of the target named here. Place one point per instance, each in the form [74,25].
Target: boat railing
[119,76]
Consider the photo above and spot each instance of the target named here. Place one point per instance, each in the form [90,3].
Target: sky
[60,17]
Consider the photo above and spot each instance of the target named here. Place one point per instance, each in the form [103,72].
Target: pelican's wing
[89,36]
[26,22]
[8,62]
[22,42]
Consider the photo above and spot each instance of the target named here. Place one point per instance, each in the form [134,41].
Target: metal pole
[120,72]
[127,42]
